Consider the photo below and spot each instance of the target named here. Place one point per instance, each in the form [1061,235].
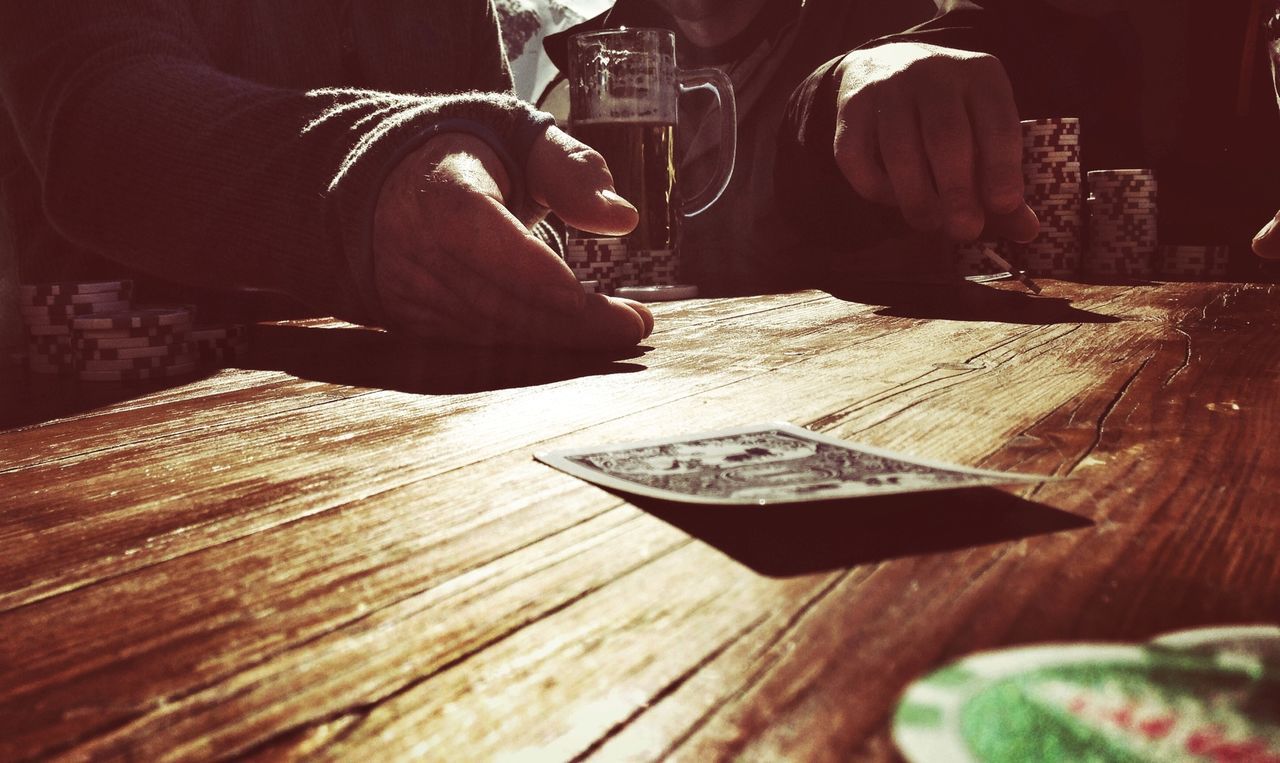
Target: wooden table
[348,551]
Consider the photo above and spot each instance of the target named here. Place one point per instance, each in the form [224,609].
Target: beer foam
[621,86]
[627,111]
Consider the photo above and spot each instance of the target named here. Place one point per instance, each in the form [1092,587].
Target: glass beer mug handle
[719,85]
[1272,32]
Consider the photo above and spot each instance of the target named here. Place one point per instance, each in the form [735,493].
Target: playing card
[764,464]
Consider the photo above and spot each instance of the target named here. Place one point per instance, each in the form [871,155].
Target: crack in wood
[1100,425]
[1223,299]
[1186,359]
[1015,339]
[762,669]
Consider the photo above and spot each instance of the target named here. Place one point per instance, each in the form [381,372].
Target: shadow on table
[965,301]
[363,357]
[803,538]
[26,400]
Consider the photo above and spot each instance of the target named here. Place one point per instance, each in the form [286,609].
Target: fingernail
[611,196]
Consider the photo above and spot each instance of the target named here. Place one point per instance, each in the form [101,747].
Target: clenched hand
[934,131]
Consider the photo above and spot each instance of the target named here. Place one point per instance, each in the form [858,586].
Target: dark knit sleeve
[149,154]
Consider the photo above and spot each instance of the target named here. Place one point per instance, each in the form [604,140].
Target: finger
[857,154]
[572,179]
[605,323]
[905,160]
[643,310]
[948,141]
[998,138]
[420,305]
[1020,225]
[1267,242]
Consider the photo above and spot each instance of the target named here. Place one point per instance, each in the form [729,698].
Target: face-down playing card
[764,464]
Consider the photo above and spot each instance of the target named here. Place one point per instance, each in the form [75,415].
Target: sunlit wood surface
[347,550]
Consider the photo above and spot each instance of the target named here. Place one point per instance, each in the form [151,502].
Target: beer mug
[624,88]
[1273,47]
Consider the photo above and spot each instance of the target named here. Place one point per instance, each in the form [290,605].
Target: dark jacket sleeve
[151,155]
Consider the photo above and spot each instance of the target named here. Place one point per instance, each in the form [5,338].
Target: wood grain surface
[346,551]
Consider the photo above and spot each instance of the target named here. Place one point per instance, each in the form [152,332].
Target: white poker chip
[590,287]
[667,293]
[1263,639]
[1098,701]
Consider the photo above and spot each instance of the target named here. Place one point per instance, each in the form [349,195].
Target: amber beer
[641,156]
[624,101]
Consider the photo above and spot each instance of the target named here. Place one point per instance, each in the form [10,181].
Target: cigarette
[1003,264]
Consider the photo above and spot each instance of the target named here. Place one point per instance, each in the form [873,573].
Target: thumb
[572,180]
[1267,242]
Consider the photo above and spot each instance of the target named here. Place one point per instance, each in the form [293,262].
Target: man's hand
[451,263]
[935,132]
[1267,242]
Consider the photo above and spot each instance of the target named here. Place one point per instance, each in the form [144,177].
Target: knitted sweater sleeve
[151,155]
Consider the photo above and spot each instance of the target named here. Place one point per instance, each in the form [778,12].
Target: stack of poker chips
[48,310]
[218,346]
[605,261]
[93,331]
[656,277]
[607,266]
[1054,188]
[134,345]
[1122,222]
[658,267]
[1192,262]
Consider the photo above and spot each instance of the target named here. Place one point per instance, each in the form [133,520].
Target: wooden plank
[251,644]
